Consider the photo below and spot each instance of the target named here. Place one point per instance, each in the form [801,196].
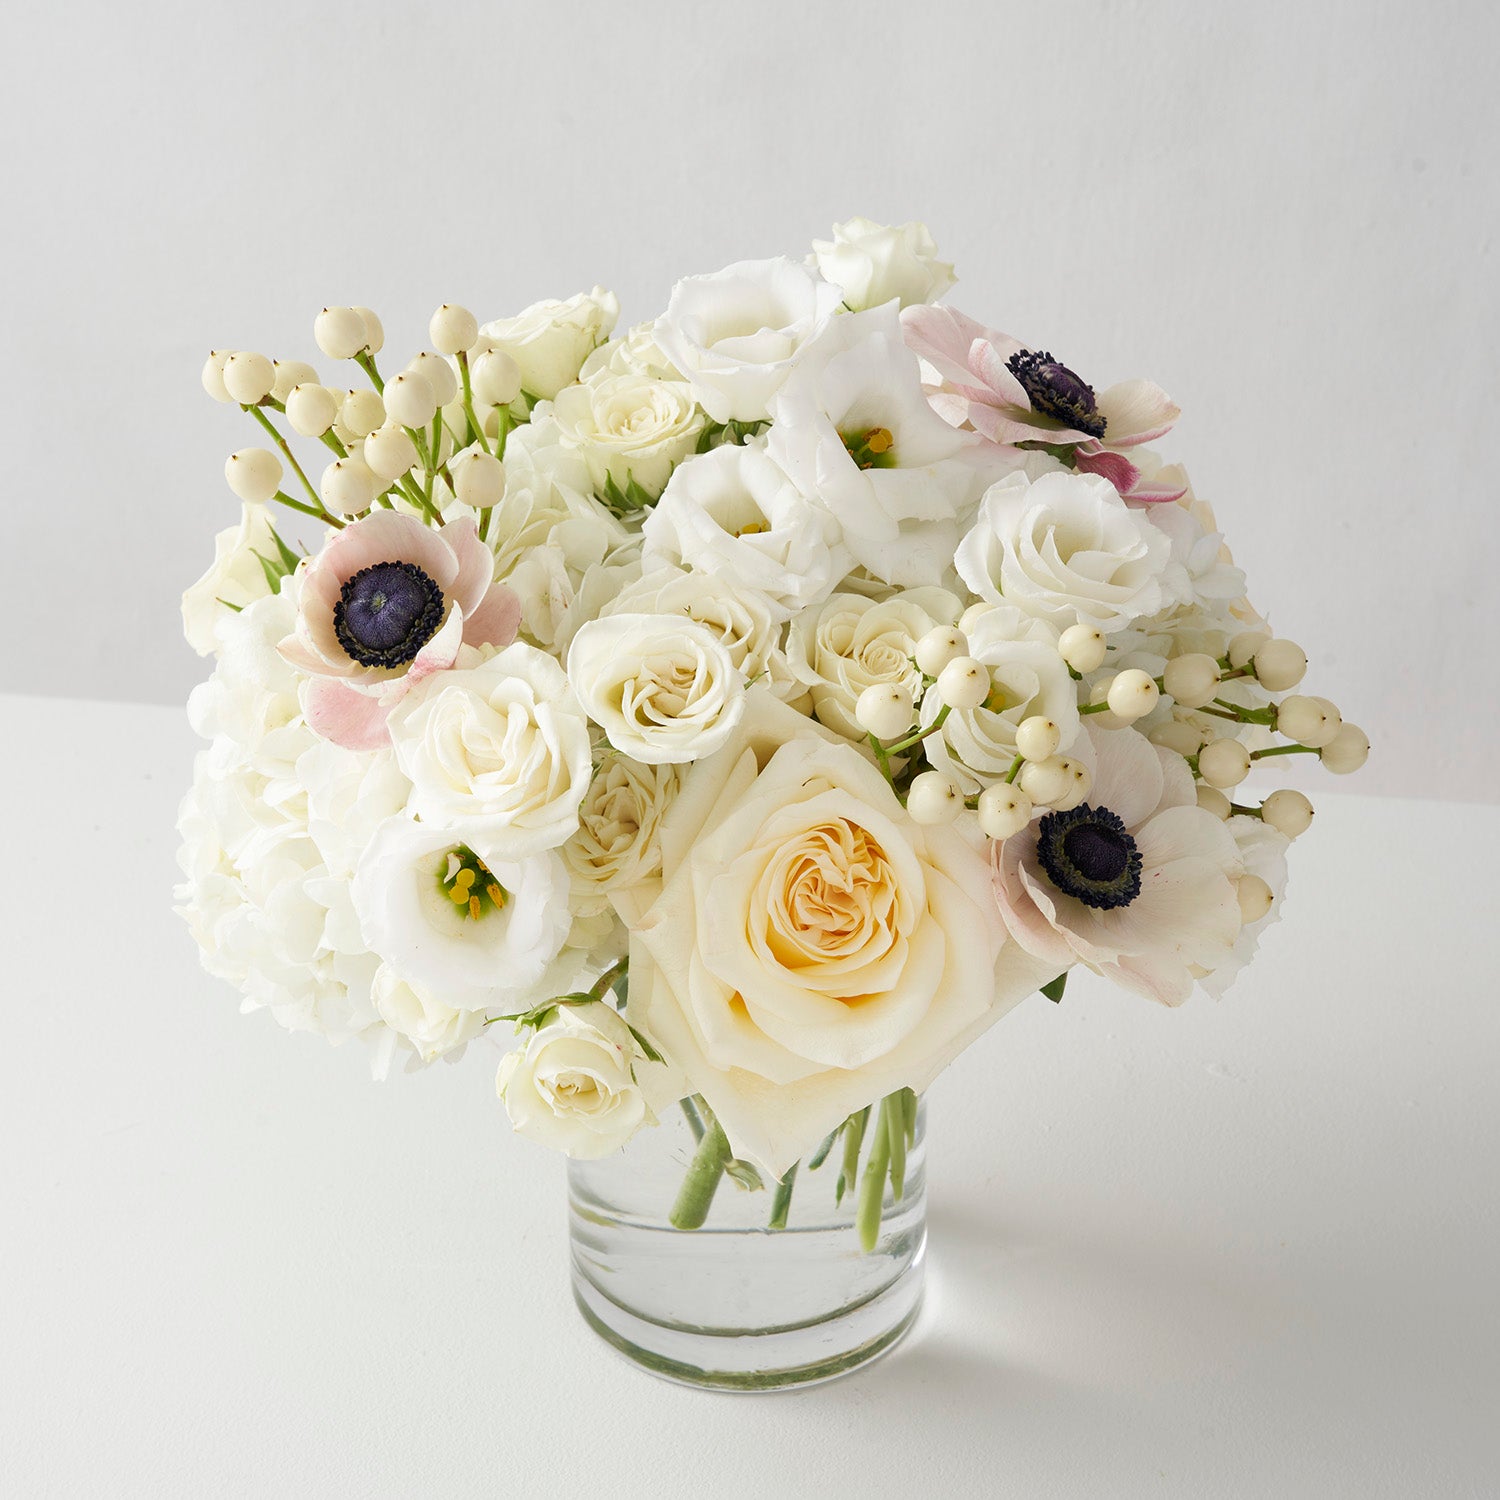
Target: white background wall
[1285,214]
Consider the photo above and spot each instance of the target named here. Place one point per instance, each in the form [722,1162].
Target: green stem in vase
[854,1136]
[694,1119]
[893,1117]
[783,1199]
[704,1174]
[872,1185]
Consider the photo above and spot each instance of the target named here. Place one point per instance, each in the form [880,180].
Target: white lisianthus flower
[233,580]
[503,745]
[1200,575]
[430,1028]
[664,690]
[853,430]
[734,514]
[618,843]
[854,642]
[736,333]
[876,263]
[1137,883]
[573,1085]
[1263,851]
[629,427]
[812,948]
[458,918]
[1066,548]
[550,340]
[977,746]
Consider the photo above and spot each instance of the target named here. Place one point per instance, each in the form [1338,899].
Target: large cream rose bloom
[812,949]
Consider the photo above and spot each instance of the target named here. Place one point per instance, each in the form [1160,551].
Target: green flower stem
[909,1111]
[282,498]
[782,1202]
[366,361]
[883,758]
[854,1137]
[704,1174]
[1102,707]
[872,1185]
[505,424]
[319,510]
[694,1119]
[893,1113]
[1283,750]
[1015,769]
[916,739]
[819,1156]
[474,427]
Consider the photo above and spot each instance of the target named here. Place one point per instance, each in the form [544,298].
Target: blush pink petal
[476,563]
[436,656]
[496,620]
[335,711]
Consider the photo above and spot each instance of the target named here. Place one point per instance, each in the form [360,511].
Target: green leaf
[272,570]
[289,559]
[235,607]
[1054,991]
[650,1052]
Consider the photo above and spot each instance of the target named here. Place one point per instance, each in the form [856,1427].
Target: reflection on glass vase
[697,1267]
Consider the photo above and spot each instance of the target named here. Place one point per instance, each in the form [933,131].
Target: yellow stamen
[464,879]
[879,440]
[474,907]
[457,896]
[496,894]
[755,528]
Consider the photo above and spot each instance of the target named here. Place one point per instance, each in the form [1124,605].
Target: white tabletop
[1239,1249]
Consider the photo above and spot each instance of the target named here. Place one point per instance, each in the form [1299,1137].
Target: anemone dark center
[1088,854]
[386,613]
[1055,391]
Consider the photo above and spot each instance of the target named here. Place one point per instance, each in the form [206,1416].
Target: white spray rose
[1066,548]
[503,744]
[629,427]
[633,353]
[573,1086]
[550,340]
[734,514]
[736,333]
[233,580]
[663,690]
[874,263]
[618,843]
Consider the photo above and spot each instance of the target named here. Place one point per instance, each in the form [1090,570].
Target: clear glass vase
[782,1283]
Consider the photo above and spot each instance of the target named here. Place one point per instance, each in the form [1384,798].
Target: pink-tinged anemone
[978,378]
[1138,883]
[387,602]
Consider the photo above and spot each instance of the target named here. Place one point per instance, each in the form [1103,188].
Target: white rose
[503,743]
[550,340]
[855,642]
[663,690]
[736,333]
[853,430]
[458,918]
[232,581]
[1066,548]
[629,427]
[573,1086]
[812,948]
[430,1028]
[618,843]
[734,514]
[634,353]
[976,746]
[874,263]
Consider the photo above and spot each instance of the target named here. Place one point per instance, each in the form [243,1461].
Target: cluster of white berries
[423,420]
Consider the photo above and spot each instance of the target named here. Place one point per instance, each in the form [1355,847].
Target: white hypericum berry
[1306,721]
[361,412]
[438,374]
[349,486]
[453,329]
[1347,751]
[289,373]
[478,479]
[496,378]
[1102,718]
[374,330]
[409,399]
[1082,647]
[254,474]
[1223,763]
[1132,695]
[213,374]
[1280,665]
[1003,810]
[885,710]
[969,620]
[940,646]
[1255,898]
[1037,738]
[340,332]
[248,377]
[933,799]
[1243,647]
[964,683]
[1212,800]
[311,409]
[1046,781]
[1080,782]
[1191,680]
[1185,739]
[1288,812]
[390,452]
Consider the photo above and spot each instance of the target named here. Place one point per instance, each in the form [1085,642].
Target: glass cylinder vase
[704,1271]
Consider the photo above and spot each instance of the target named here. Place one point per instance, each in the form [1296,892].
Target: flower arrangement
[744,710]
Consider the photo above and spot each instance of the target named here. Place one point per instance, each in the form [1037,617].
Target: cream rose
[875,263]
[812,949]
[550,340]
[572,1086]
[502,745]
[618,843]
[664,690]
[630,428]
